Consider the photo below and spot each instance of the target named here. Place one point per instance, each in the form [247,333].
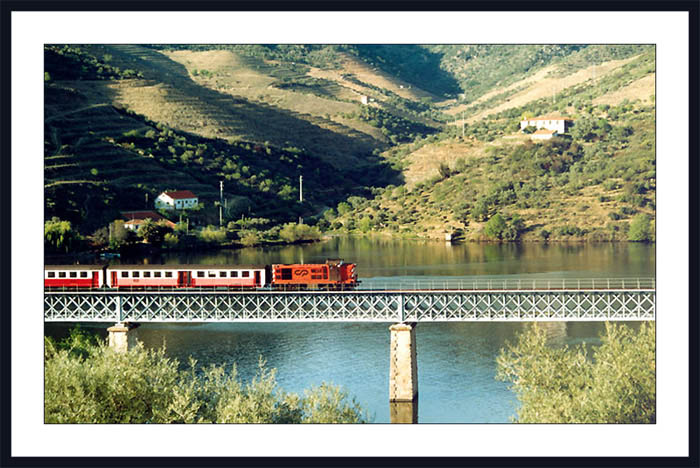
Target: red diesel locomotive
[334,274]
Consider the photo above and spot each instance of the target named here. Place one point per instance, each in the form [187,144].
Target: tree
[86,382]
[344,208]
[59,235]
[563,385]
[495,227]
[444,171]
[120,235]
[640,228]
[154,232]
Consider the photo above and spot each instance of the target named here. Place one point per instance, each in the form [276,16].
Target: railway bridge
[402,304]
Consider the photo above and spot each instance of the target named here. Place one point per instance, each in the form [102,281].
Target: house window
[125,274]
[83,274]
[73,274]
[168,274]
[51,274]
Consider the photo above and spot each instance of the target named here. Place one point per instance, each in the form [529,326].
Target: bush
[212,235]
[640,228]
[293,232]
[563,385]
[89,383]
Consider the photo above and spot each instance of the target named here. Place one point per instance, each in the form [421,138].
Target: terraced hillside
[407,139]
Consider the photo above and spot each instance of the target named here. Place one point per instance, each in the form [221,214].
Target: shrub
[640,228]
[89,383]
[563,385]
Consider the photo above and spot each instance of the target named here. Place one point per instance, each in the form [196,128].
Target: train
[334,274]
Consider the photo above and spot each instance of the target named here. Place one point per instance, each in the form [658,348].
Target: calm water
[456,361]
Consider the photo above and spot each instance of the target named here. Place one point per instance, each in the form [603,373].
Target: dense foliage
[87,382]
[617,384]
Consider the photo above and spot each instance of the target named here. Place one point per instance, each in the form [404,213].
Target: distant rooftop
[180,194]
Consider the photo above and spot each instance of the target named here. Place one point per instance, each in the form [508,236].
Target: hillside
[403,139]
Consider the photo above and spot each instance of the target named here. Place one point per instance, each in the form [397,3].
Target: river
[456,361]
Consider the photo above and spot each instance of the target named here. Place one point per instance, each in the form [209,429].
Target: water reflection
[378,257]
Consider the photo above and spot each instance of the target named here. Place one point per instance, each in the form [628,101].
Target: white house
[177,200]
[558,124]
[135,219]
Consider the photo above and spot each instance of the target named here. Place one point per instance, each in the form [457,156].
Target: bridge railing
[537,284]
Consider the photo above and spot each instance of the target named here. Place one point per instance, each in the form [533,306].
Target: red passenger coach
[73,276]
[334,274]
[185,276]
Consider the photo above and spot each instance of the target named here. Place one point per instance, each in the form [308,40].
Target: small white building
[364,99]
[177,200]
[558,124]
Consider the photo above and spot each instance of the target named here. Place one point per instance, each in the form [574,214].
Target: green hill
[371,128]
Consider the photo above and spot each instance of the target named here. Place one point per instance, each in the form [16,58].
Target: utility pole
[301,196]
[462,124]
[221,199]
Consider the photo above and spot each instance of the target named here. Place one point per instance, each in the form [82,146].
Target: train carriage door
[95,279]
[182,279]
[114,279]
[257,278]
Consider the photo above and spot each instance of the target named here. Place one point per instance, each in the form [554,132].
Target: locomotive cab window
[286,273]
[83,274]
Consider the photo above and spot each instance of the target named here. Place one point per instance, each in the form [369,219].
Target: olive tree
[617,384]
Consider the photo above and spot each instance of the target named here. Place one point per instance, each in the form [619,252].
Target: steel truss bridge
[569,300]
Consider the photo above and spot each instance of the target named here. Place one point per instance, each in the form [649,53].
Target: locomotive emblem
[301,272]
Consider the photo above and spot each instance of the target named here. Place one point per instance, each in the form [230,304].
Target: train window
[61,274]
[51,274]
[73,274]
[83,274]
[223,274]
[156,274]
[234,274]
[146,274]
[286,273]
[168,274]
[245,274]
[212,274]
[136,274]
[125,274]
[200,274]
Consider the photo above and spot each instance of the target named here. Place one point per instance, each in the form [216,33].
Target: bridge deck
[352,306]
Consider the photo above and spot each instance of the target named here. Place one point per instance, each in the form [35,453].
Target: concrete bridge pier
[403,373]
[121,337]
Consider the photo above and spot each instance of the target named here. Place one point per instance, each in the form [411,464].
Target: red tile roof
[180,194]
[543,131]
[550,117]
[132,215]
